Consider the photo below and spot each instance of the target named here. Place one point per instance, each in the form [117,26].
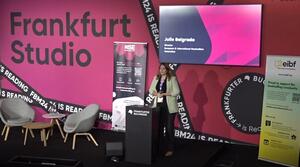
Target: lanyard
[161,85]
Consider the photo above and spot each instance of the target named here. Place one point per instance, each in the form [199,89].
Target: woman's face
[162,70]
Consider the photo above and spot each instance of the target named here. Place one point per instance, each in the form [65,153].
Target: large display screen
[211,34]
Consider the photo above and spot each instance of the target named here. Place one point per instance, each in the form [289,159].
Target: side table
[54,120]
[37,125]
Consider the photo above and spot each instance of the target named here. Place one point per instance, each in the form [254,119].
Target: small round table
[37,125]
[54,120]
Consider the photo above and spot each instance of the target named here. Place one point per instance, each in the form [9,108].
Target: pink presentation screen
[215,35]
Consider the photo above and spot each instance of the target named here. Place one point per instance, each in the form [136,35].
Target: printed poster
[129,80]
[279,138]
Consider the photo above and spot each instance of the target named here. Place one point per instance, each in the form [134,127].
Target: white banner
[129,80]
[280,130]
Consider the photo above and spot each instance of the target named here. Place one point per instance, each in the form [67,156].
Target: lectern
[141,136]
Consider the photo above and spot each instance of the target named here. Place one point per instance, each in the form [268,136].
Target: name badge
[160,99]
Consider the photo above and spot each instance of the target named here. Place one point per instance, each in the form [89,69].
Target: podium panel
[141,134]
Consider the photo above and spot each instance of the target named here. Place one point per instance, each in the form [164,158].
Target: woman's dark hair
[168,69]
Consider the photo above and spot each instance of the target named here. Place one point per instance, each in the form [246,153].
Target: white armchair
[81,122]
[15,112]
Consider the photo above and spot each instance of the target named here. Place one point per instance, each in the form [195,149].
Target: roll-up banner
[280,130]
[130,60]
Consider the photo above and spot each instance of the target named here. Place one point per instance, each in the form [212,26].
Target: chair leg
[43,136]
[66,136]
[90,135]
[74,140]
[6,134]
[4,128]
[47,135]
[88,138]
[25,137]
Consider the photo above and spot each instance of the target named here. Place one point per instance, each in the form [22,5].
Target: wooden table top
[37,125]
[53,115]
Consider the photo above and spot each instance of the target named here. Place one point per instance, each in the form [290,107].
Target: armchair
[15,112]
[81,122]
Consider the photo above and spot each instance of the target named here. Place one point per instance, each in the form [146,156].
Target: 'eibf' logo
[285,64]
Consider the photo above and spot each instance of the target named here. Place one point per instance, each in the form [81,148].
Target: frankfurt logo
[242,102]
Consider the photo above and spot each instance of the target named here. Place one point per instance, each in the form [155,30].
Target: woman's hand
[160,94]
[155,93]
[166,94]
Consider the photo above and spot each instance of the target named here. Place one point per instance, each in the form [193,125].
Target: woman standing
[165,88]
